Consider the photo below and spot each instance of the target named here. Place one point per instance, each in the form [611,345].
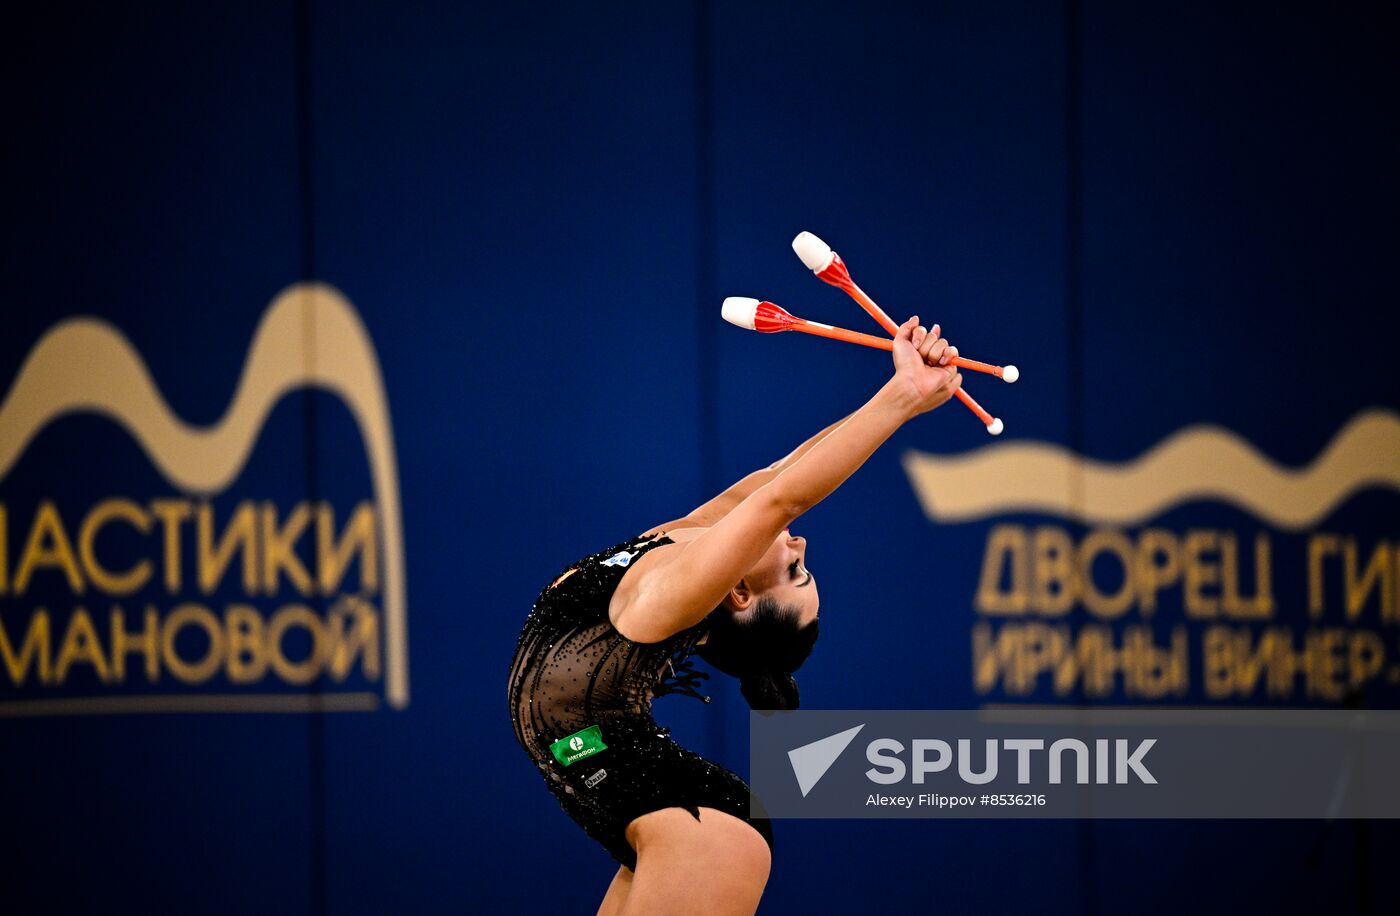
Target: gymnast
[729,583]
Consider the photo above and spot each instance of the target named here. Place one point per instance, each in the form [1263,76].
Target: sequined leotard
[573,670]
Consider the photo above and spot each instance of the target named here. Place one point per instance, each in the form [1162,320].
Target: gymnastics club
[769,318]
[829,267]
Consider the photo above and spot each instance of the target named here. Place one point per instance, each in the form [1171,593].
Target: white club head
[1010,373]
[815,253]
[740,310]
[996,426]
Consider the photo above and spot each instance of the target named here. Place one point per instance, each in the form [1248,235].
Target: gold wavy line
[310,336]
[1197,462]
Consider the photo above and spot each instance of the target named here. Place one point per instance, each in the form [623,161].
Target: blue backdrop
[1165,215]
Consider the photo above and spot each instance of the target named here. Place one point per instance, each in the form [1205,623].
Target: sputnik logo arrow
[811,761]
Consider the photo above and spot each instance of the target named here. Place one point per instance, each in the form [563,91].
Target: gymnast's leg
[716,866]
[616,897]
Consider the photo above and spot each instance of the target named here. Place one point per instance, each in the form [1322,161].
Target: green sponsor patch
[579,745]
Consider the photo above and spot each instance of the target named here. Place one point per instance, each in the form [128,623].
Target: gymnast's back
[573,669]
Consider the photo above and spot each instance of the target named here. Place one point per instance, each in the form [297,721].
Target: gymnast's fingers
[932,349]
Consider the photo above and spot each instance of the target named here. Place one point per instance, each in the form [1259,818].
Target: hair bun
[769,691]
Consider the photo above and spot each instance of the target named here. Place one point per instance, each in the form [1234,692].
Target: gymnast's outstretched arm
[710,512]
[681,587]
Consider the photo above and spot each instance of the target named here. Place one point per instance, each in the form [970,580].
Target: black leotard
[573,669]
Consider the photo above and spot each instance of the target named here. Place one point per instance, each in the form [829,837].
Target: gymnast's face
[782,575]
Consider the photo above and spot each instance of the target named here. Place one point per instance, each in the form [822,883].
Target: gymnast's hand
[920,369]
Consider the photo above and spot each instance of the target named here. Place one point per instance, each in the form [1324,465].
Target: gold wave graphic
[310,336]
[1197,462]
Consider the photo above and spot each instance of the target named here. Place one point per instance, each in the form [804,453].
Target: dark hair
[769,691]
[761,647]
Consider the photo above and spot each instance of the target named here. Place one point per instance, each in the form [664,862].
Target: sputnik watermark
[934,755]
[1072,763]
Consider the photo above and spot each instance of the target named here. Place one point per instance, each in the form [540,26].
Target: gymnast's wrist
[899,398]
